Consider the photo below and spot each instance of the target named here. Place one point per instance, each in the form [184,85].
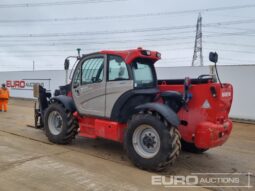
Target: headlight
[158,55]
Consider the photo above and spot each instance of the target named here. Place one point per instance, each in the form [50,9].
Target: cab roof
[129,55]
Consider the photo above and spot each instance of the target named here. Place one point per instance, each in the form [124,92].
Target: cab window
[144,74]
[77,76]
[117,69]
[92,70]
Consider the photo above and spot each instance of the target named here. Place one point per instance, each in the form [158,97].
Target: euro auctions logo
[22,84]
[15,83]
[210,180]
[172,181]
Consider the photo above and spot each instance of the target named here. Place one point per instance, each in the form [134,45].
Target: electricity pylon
[198,49]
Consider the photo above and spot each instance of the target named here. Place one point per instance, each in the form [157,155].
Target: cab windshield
[144,74]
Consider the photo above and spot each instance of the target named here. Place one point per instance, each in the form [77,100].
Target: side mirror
[213,57]
[66,64]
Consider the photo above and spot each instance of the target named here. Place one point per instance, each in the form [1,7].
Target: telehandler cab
[115,95]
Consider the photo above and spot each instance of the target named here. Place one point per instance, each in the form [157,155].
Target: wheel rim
[55,123]
[146,141]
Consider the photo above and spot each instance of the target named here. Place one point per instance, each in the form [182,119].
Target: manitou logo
[22,84]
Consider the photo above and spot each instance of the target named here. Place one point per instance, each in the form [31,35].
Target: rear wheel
[151,143]
[190,147]
[60,125]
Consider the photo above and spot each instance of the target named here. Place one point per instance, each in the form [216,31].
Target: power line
[237,60]
[93,33]
[234,51]
[243,33]
[56,42]
[106,17]
[93,50]
[154,29]
[97,42]
[163,59]
[249,33]
[97,38]
[89,49]
[156,39]
[56,3]
[29,51]
[38,55]
[231,44]
[234,28]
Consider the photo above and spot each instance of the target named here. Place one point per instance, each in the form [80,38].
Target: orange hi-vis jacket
[4,93]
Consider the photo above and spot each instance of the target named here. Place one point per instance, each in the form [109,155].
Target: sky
[46,32]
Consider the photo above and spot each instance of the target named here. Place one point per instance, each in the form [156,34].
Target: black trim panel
[125,106]
[66,101]
[181,81]
[162,109]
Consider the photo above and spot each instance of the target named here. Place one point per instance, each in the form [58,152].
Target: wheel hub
[146,141]
[149,141]
[55,122]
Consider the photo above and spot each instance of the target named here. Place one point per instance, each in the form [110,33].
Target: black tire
[190,147]
[69,127]
[169,148]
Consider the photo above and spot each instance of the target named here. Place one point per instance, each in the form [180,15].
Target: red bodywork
[130,55]
[206,127]
[92,127]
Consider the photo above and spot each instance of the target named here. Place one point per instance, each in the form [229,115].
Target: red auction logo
[15,83]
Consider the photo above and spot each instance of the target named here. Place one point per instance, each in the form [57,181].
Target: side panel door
[89,86]
[118,81]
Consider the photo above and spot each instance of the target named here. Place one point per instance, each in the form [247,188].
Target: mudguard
[162,109]
[66,101]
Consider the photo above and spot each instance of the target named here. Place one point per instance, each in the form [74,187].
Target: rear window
[144,75]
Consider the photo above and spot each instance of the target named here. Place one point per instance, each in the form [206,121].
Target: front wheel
[151,143]
[60,125]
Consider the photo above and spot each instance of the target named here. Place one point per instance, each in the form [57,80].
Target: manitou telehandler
[115,95]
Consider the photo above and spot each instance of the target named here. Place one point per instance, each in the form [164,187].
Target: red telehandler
[116,95]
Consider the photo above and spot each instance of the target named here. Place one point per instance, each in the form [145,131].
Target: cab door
[118,81]
[89,86]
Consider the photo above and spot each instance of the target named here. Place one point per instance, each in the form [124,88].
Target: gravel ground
[28,161]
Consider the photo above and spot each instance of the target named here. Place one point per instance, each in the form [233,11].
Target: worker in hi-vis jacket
[4,97]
